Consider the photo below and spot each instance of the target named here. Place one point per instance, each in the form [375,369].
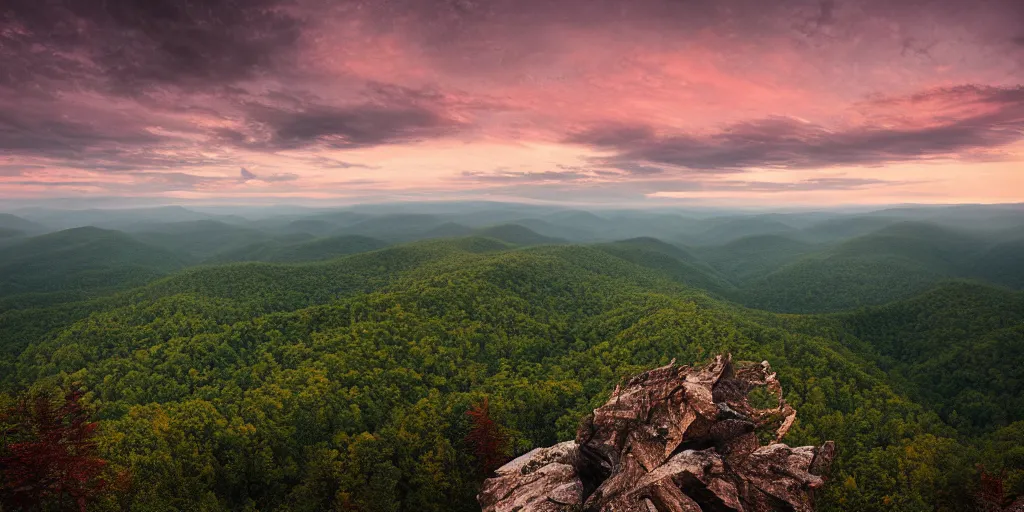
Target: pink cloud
[501,96]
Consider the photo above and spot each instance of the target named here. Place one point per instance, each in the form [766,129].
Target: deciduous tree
[48,458]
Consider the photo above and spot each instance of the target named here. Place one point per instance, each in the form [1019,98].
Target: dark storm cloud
[782,142]
[132,44]
[134,159]
[445,23]
[825,15]
[614,135]
[359,126]
[44,133]
[340,127]
[450,20]
[379,114]
[135,44]
[98,139]
[94,141]
[1009,98]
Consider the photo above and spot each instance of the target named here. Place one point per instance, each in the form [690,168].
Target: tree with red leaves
[48,458]
[489,442]
[991,491]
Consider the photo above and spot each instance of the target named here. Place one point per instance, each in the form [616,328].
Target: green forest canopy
[342,383]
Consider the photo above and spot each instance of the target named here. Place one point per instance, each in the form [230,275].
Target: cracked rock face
[673,439]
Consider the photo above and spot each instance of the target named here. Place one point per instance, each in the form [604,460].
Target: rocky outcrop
[673,439]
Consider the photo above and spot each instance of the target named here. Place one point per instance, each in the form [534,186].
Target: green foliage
[517,235]
[1003,454]
[957,348]
[1001,263]
[344,384]
[302,250]
[894,263]
[200,239]
[673,262]
[747,258]
[81,259]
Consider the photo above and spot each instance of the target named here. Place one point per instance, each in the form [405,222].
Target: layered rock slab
[675,438]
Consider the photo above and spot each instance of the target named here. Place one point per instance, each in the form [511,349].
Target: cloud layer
[968,121]
[860,100]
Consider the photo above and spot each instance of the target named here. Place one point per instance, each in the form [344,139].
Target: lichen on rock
[673,439]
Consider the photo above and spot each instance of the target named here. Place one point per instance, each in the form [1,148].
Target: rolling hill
[1001,263]
[121,219]
[13,224]
[517,235]
[10,233]
[394,228]
[318,227]
[957,347]
[446,230]
[720,230]
[578,219]
[320,249]
[200,239]
[894,263]
[750,257]
[553,230]
[81,259]
[671,261]
[318,379]
[260,251]
[229,373]
[843,228]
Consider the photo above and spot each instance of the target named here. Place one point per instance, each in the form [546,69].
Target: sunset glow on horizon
[730,102]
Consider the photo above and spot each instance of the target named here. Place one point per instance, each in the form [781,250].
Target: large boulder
[545,480]
[673,439]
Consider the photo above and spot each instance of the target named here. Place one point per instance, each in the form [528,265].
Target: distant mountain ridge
[17,224]
[81,258]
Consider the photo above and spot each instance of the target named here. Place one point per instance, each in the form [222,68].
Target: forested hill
[344,383]
[312,386]
[893,263]
[958,347]
[81,259]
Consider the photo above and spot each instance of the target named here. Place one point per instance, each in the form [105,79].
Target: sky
[719,102]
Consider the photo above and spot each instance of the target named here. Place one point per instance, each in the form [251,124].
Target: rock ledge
[673,439]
